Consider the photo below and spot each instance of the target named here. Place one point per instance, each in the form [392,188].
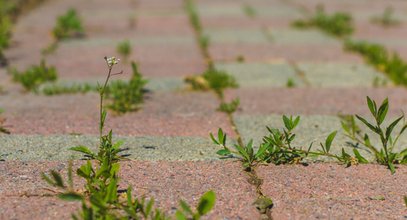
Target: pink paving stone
[331,191]
[368,31]
[162,114]
[81,61]
[35,208]
[244,22]
[269,52]
[167,5]
[164,25]
[170,60]
[312,101]
[167,182]
[350,6]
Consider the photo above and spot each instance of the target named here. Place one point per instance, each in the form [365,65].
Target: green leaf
[129,197]
[206,203]
[296,121]
[223,152]
[405,200]
[111,194]
[381,114]
[222,137]
[373,128]
[185,207]
[83,149]
[391,127]
[262,149]
[242,152]
[372,106]
[345,127]
[358,156]
[47,179]
[57,178]
[149,206]
[213,139]
[70,196]
[328,141]
[391,167]
[180,216]
[118,144]
[287,122]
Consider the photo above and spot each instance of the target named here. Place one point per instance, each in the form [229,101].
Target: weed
[212,79]
[386,19]
[377,55]
[5,35]
[249,11]
[229,107]
[34,76]
[101,199]
[290,83]
[127,96]
[55,89]
[51,48]
[193,15]
[5,31]
[384,154]
[405,201]
[204,41]
[277,148]
[68,25]
[339,24]
[3,129]
[124,49]
[240,59]
[379,82]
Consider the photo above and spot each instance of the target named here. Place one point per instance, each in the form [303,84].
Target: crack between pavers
[299,73]
[253,179]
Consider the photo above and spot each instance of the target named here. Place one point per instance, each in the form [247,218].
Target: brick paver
[171,155]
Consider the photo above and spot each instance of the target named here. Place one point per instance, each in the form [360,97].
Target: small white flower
[111,61]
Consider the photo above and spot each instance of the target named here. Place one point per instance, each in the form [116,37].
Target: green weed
[124,49]
[212,79]
[193,15]
[385,153]
[377,55]
[68,25]
[204,42]
[240,59]
[386,19]
[229,107]
[34,76]
[127,96]
[54,89]
[277,148]
[290,83]
[339,24]
[249,11]
[5,35]
[101,199]
[3,129]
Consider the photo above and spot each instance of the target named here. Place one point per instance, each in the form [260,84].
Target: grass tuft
[68,26]
[339,24]
[127,96]
[378,56]
[212,79]
[34,76]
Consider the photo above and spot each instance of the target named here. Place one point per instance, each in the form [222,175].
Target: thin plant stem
[102,92]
